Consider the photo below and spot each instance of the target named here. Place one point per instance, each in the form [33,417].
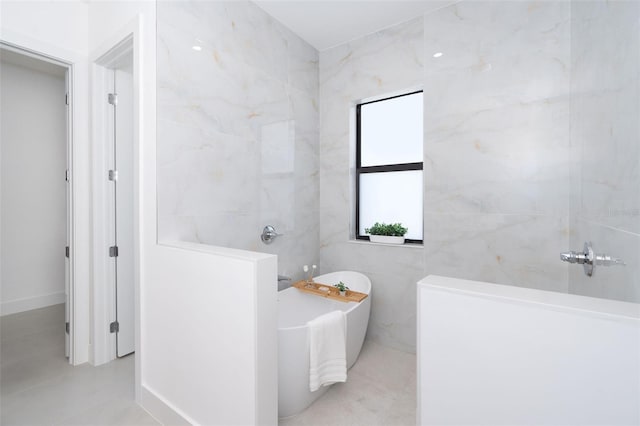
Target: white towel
[327,350]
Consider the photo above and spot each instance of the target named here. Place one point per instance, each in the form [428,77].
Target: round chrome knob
[269,234]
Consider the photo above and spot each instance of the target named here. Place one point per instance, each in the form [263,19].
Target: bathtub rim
[353,306]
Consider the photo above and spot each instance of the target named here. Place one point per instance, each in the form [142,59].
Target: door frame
[78,341]
[126,41]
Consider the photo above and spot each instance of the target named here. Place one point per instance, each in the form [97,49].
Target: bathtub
[295,308]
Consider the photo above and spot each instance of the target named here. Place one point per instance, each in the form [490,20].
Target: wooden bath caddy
[333,293]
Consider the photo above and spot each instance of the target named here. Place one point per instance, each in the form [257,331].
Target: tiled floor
[39,387]
[380,390]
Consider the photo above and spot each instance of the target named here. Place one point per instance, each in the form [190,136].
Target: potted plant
[392,233]
[342,288]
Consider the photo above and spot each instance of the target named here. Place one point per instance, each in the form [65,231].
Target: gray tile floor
[39,387]
[380,390]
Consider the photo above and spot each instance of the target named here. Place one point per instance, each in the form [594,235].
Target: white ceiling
[328,23]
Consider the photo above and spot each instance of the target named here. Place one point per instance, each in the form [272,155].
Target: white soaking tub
[295,309]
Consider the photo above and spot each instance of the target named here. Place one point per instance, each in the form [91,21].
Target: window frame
[401,167]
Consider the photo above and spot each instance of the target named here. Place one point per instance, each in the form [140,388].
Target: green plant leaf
[392,229]
[341,286]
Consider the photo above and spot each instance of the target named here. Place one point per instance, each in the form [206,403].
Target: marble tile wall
[386,62]
[257,128]
[237,130]
[497,164]
[605,138]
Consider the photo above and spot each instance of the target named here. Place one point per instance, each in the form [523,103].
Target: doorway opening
[37,254]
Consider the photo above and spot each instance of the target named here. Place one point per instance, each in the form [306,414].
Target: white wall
[500,355]
[58,23]
[33,151]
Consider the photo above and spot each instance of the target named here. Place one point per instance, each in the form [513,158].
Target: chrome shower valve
[588,258]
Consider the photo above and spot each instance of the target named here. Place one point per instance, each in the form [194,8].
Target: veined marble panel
[606,127]
[227,30]
[231,98]
[605,106]
[203,169]
[495,53]
[519,250]
[497,133]
[513,160]
[378,64]
[237,130]
[604,45]
[302,64]
[605,135]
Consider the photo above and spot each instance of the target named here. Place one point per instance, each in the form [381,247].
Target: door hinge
[66,99]
[114,327]
[67,175]
[113,99]
[113,175]
[113,251]
[66,251]
[67,327]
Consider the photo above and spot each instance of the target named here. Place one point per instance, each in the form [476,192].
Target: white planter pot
[385,239]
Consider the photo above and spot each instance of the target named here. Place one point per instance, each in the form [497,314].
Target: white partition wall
[206,344]
[209,336]
[500,355]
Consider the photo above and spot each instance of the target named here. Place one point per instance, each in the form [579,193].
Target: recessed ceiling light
[197,48]
[437,55]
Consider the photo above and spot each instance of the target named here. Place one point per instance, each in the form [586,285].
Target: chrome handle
[606,260]
[588,258]
[269,234]
[574,257]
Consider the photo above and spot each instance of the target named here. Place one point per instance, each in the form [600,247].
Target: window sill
[369,243]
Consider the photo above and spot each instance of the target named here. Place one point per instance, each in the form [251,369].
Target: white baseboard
[29,303]
[160,409]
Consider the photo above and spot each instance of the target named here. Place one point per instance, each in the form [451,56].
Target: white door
[67,255]
[122,198]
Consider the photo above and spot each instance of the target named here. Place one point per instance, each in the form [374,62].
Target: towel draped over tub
[327,350]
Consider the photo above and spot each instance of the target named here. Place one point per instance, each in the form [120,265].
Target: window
[389,164]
